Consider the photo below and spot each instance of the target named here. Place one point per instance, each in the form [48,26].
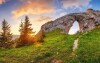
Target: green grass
[89,47]
[57,46]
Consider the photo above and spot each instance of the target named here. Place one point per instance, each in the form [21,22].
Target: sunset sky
[41,11]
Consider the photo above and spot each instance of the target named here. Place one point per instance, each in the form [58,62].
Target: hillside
[57,48]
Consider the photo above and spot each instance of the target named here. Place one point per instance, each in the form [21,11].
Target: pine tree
[21,30]
[6,35]
[26,31]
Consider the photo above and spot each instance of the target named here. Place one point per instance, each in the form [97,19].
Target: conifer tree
[26,31]
[6,35]
[21,30]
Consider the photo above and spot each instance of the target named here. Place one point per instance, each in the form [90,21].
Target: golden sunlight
[32,34]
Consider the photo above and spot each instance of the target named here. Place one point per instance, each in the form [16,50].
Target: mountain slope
[57,47]
[89,47]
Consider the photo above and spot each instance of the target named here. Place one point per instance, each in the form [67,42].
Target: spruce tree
[6,35]
[26,31]
[21,30]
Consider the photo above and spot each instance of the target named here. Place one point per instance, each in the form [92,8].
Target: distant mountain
[15,36]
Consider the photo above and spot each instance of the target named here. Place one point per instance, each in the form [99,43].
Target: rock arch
[65,23]
[87,21]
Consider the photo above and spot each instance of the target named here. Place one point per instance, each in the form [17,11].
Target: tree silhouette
[6,35]
[26,32]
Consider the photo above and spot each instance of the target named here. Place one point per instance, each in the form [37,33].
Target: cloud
[41,19]
[75,3]
[40,7]
[2,1]
[34,7]
[63,13]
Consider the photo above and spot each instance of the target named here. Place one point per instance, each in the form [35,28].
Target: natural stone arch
[87,21]
[66,22]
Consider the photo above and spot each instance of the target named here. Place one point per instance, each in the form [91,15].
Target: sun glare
[31,34]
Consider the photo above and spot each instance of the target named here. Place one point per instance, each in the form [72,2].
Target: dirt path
[75,45]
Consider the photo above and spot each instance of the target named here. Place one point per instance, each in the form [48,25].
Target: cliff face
[87,21]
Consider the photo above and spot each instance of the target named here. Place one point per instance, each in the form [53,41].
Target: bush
[18,43]
[6,44]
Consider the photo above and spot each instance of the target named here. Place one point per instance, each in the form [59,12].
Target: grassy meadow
[57,47]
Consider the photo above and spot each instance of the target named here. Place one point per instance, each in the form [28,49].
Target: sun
[32,34]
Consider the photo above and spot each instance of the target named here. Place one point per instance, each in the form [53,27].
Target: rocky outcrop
[87,21]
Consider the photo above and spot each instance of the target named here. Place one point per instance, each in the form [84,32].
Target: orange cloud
[43,19]
[2,1]
[35,7]
[39,21]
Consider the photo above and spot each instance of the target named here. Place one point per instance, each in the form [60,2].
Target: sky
[42,11]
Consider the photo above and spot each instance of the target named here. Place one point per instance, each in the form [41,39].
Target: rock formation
[86,20]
